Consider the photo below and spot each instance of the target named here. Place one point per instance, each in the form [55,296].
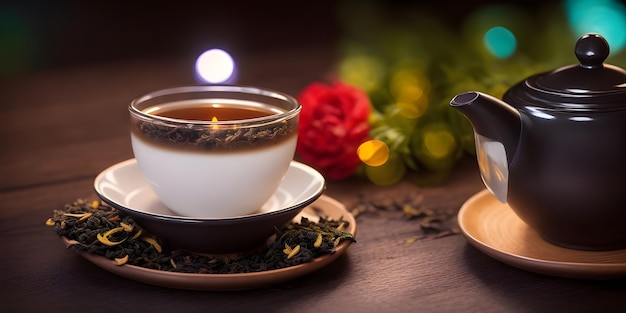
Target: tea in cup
[214,151]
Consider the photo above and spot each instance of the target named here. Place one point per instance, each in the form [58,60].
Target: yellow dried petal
[127,228]
[50,222]
[411,240]
[84,217]
[112,231]
[340,227]
[293,252]
[104,237]
[135,236]
[75,214]
[71,243]
[287,249]
[153,242]
[318,241]
[81,216]
[121,261]
[106,240]
[95,204]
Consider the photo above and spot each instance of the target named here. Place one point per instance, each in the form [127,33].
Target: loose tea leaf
[207,138]
[97,228]
[432,223]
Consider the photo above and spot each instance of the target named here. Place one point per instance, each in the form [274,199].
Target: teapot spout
[492,118]
[497,128]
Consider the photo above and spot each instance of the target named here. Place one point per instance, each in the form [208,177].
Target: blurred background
[410,57]
[40,34]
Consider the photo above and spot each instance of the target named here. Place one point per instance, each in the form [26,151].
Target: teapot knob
[591,50]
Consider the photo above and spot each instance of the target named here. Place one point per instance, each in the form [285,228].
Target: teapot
[554,149]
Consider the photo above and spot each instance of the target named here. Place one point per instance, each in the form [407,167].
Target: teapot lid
[590,85]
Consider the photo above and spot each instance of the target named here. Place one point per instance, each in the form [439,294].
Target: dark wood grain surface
[60,127]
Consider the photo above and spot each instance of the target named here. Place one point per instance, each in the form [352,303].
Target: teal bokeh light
[605,17]
[500,42]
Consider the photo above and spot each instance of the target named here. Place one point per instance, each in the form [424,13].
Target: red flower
[333,123]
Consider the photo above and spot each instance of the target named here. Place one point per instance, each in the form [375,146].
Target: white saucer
[124,187]
[496,230]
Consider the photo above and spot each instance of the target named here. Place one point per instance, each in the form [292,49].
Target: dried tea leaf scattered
[431,223]
[97,228]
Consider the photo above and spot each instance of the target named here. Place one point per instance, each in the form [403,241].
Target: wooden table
[61,127]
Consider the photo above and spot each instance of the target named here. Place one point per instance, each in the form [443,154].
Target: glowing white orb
[215,66]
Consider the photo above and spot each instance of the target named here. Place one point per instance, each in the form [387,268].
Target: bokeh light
[435,146]
[439,144]
[373,152]
[215,66]
[363,71]
[410,90]
[498,31]
[500,42]
[605,17]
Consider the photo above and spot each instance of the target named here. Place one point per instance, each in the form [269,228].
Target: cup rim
[234,89]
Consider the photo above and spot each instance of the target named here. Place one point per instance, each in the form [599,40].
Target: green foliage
[412,60]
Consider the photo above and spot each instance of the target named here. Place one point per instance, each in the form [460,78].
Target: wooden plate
[324,206]
[495,229]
